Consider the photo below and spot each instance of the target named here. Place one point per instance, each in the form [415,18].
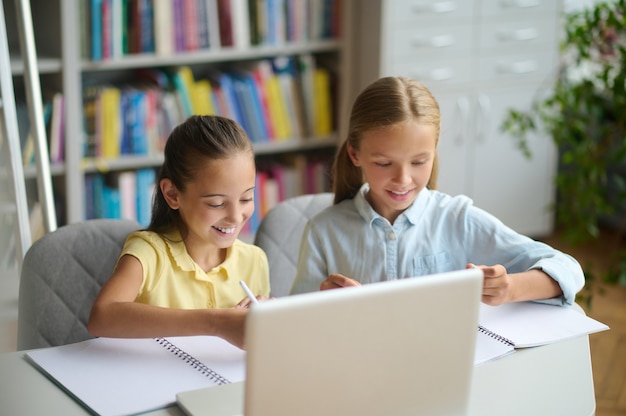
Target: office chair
[61,275]
[279,236]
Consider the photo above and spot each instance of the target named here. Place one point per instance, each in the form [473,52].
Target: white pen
[248,291]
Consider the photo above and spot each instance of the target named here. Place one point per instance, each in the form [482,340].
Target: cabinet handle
[520,67]
[462,113]
[440,41]
[441,74]
[519,4]
[483,118]
[437,7]
[528,33]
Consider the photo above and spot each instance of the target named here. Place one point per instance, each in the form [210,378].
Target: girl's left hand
[497,284]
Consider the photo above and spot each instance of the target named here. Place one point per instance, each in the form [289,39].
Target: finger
[343,281]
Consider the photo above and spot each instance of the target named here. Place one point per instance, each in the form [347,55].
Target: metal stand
[9,133]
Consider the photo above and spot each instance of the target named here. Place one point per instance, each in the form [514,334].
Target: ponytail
[347,178]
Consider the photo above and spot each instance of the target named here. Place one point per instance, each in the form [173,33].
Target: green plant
[584,113]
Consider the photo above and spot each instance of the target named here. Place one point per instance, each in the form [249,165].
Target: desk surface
[547,380]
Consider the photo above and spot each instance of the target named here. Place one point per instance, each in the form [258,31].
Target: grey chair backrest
[61,275]
[279,235]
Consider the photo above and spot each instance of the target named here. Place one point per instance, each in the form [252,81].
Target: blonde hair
[385,102]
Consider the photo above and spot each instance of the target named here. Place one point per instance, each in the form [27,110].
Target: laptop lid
[403,347]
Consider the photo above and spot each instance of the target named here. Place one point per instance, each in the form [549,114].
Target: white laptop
[404,347]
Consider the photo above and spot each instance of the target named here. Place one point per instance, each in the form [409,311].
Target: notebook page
[529,324]
[126,376]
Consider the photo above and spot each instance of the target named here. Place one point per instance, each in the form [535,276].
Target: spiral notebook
[398,347]
[112,376]
[531,324]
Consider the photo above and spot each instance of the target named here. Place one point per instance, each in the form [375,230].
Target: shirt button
[392,235]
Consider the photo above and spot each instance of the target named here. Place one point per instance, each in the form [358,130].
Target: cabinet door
[455,143]
[503,181]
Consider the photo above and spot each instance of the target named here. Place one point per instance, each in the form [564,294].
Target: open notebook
[117,376]
[403,347]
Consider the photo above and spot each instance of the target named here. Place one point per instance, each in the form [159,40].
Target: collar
[412,214]
[183,260]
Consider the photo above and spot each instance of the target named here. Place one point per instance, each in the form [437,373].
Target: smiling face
[216,204]
[397,162]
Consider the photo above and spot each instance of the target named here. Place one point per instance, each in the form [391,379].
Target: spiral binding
[495,336]
[193,362]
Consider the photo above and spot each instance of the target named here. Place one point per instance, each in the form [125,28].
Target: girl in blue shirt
[389,222]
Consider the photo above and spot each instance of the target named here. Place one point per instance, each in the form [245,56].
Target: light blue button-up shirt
[437,233]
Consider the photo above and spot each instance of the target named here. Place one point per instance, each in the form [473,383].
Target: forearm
[533,285]
[135,320]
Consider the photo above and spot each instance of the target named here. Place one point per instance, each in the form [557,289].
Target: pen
[248,291]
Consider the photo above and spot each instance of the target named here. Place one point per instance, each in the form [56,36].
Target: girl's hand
[501,287]
[497,284]
[336,281]
[230,325]
[246,302]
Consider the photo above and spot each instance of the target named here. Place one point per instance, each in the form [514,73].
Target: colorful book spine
[190,25]
[225,22]
[179,26]
[164,25]
[127,188]
[213,23]
[145,181]
[110,101]
[183,81]
[322,104]
[202,24]
[96,29]
[107,28]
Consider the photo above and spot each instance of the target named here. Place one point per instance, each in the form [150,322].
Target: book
[213,23]
[240,23]
[286,70]
[179,25]
[202,24]
[107,28]
[191,31]
[57,128]
[127,185]
[276,107]
[110,122]
[164,22]
[95,16]
[116,376]
[145,181]
[28,148]
[117,28]
[322,103]
[225,22]
[183,80]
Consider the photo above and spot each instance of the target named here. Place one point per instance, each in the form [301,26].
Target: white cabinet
[479,58]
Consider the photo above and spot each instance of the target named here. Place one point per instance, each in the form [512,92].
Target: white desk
[550,380]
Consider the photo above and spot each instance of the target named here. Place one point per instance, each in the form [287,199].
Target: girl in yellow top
[181,275]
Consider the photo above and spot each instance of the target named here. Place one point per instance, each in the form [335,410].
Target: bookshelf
[64,31]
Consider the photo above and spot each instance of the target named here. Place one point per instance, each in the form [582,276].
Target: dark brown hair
[189,146]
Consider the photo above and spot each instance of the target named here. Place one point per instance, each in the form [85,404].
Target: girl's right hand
[230,325]
[335,281]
